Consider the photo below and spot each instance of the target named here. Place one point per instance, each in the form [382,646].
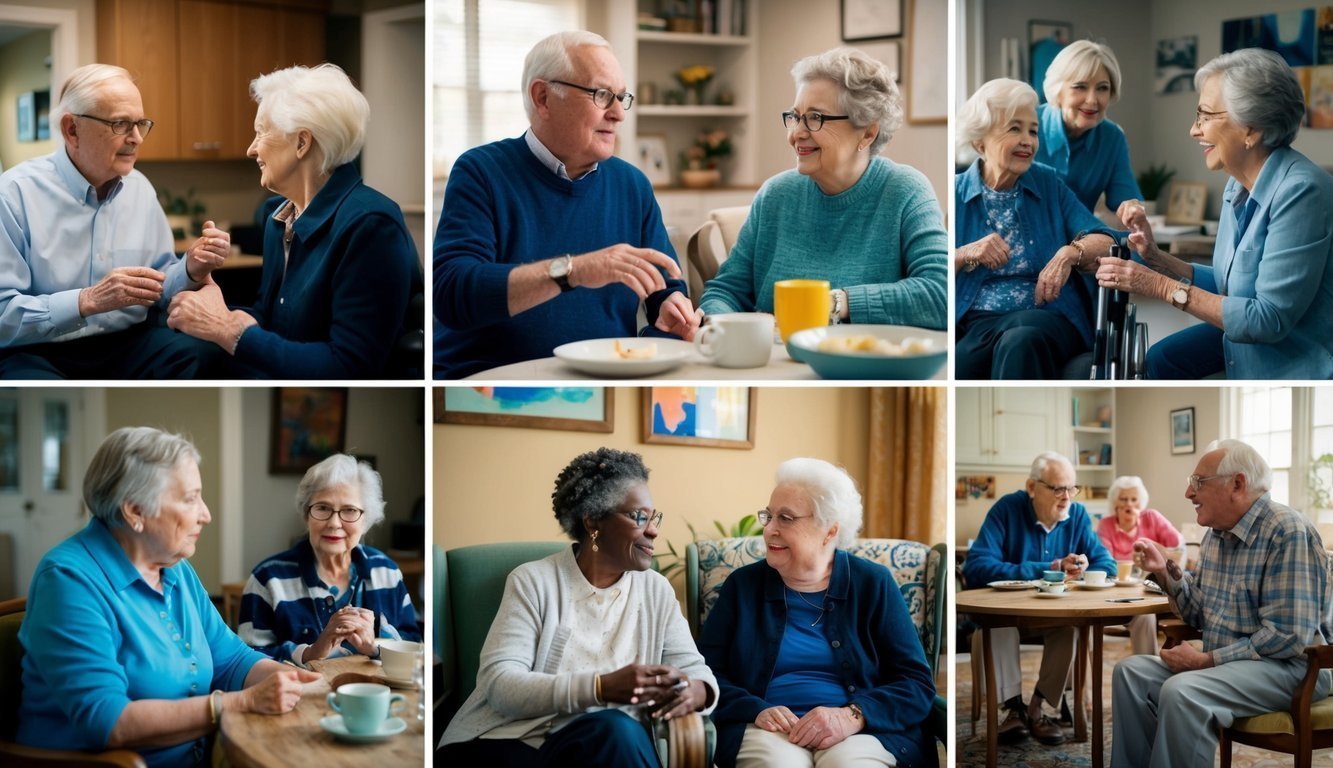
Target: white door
[41,477]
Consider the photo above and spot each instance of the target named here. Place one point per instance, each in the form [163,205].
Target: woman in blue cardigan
[815,654]
[339,264]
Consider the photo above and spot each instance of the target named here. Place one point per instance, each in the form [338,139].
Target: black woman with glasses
[846,214]
[589,643]
[86,260]
[1026,533]
[329,595]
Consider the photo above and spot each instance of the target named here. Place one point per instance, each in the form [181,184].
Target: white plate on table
[334,725]
[598,357]
[1085,585]
[1051,595]
[1012,584]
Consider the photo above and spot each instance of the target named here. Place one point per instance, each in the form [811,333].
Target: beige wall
[23,69]
[1143,442]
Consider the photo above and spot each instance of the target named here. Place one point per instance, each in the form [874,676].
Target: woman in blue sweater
[339,264]
[869,226]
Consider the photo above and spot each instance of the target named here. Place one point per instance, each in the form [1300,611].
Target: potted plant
[185,213]
[1151,184]
[699,163]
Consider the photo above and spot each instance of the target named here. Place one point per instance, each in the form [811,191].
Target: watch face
[559,268]
[1179,296]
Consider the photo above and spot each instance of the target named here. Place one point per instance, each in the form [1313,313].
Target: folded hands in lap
[654,685]
[820,728]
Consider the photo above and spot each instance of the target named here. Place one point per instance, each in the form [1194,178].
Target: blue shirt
[1013,545]
[286,605]
[57,238]
[806,674]
[96,637]
[1277,280]
[1095,163]
[1049,218]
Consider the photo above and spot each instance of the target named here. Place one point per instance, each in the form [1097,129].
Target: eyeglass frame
[145,125]
[1058,490]
[310,510]
[1196,482]
[765,517]
[804,119]
[1202,116]
[641,517]
[625,98]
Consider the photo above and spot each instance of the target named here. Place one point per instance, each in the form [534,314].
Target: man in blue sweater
[1026,532]
[548,238]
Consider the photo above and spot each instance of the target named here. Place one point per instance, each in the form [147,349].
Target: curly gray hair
[831,490]
[342,469]
[592,485]
[867,93]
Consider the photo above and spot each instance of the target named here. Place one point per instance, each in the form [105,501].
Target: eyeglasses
[601,96]
[1062,490]
[323,511]
[123,127]
[1202,116]
[1196,482]
[783,520]
[641,517]
[813,120]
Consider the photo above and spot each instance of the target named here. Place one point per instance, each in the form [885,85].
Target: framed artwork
[889,52]
[309,425]
[716,417]
[27,117]
[871,19]
[1182,431]
[577,409]
[1045,41]
[651,150]
[927,75]
[1176,62]
[1187,202]
[974,487]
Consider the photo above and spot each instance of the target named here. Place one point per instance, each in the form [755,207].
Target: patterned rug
[971,748]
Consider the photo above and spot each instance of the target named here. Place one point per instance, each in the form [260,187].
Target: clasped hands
[350,624]
[820,728]
[654,686]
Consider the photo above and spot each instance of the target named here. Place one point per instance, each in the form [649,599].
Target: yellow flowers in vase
[694,79]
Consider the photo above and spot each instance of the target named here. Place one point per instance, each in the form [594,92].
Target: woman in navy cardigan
[813,649]
[339,264]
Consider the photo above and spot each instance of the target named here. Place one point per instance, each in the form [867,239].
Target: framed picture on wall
[1182,431]
[26,126]
[309,425]
[578,409]
[927,63]
[871,19]
[1187,202]
[651,152]
[714,417]
[889,52]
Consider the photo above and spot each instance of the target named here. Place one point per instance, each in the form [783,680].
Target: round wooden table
[1083,609]
[264,741]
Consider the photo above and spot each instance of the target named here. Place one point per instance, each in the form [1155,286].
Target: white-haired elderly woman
[1086,150]
[869,226]
[339,264]
[1266,301]
[122,648]
[330,595]
[1020,234]
[1130,521]
[831,670]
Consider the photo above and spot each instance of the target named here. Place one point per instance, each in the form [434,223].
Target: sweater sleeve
[905,693]
[733,289]
[986,560]
[471,286]
[921,297]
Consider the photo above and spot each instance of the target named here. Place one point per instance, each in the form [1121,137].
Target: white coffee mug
[736,339]
[1095,578]
[397,657]
[1053,587]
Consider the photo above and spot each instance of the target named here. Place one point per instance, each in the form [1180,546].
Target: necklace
[821,607]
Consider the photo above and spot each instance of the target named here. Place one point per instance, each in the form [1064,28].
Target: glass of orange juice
[801,304]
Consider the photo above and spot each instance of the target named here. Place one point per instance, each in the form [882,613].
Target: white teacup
[1053,587]
[398,657]
[1094,578]
[736,339]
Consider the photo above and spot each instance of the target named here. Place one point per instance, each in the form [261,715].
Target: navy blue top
[339,304]
[503,209]
[880,663]
[1013,545]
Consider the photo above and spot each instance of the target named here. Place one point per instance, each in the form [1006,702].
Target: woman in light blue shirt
[1267,299]
[122,647]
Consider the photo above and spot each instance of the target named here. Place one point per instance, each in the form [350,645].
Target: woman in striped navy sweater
[329,595]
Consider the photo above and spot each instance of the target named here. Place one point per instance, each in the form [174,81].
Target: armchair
[709,245]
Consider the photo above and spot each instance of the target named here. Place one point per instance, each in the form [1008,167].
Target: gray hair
[78,95]
[342,469]
[866,90]
[1077,61]
[549,60]
[831,490]
[1126,482]
[131,466]
[321,100]
[1241,458]
[1261,92]
[1045,459]
[995,103]
[592,485]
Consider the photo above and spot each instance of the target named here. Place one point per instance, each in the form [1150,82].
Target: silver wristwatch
[559,270]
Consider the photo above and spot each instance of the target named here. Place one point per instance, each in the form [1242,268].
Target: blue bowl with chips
[897,352]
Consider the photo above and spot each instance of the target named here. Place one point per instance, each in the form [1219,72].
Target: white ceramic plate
[1085,585]
[1051,595]
[1012,584]
[334,725]
[597,357]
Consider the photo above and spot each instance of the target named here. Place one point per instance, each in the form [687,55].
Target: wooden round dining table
[267,741]
[1087,610]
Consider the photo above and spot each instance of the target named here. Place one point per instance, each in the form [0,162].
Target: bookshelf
[1092,422]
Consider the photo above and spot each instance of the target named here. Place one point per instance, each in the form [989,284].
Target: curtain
[908,451]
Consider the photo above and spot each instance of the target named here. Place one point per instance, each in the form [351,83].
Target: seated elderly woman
[587,642]
[1130,522]
[871,227]
[122,646]
[329,595]
[339,264]
[1266,301]
[830,670]
[1020,234]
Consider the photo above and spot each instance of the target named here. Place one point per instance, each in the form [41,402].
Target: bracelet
[1079,245]
[597,689]
[215,706]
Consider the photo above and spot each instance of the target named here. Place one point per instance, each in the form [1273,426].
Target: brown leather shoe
[1013,728]
[1046,730]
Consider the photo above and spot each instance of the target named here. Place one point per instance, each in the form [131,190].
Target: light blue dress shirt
[96,637]
[57,238]
[1096,162]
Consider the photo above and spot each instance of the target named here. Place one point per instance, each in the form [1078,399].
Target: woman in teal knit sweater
[869,226]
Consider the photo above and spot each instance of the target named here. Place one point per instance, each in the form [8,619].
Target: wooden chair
[709,245]
[231,603]
[15,755]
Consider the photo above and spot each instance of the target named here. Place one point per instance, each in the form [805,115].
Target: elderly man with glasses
[1260,595]
[86,255]
[547,238]
[1036,529]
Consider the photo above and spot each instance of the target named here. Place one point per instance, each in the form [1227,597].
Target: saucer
[1128,582]
[1052,595]
[1086,585]
[398,682]
[334,725]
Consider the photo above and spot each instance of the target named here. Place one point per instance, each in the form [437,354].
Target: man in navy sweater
[548,238]
[1038,528]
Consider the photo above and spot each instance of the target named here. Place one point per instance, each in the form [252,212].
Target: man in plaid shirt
[1260,595]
